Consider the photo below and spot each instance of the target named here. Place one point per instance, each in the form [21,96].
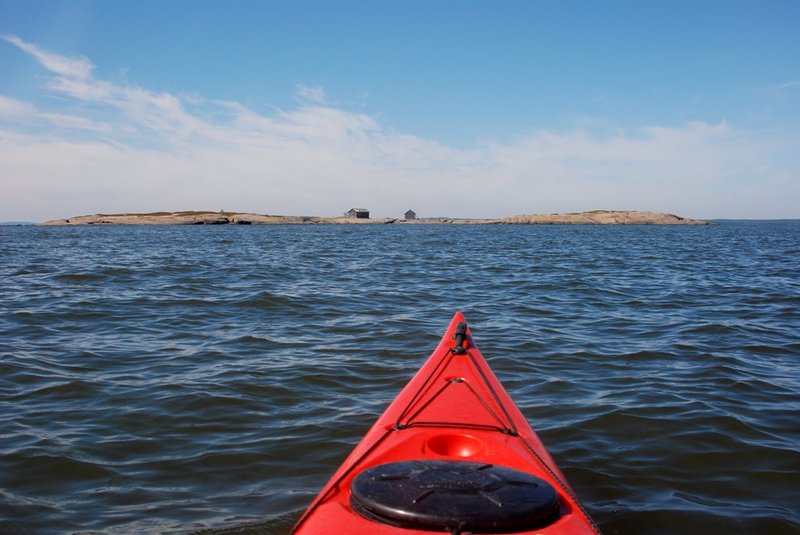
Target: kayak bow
[452,453]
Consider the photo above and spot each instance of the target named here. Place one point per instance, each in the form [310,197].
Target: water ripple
[179,379]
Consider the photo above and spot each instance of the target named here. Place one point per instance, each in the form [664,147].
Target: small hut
[357,213]
[411,214]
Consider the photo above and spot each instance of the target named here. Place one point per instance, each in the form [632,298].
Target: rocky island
[595,217]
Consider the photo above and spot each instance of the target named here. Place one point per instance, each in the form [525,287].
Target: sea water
[180,379]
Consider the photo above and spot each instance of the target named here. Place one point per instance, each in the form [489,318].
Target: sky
[450,108]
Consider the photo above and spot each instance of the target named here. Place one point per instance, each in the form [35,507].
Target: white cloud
[312,94]
[124,148]
[21,113]
[794,84]
[78,68]
[10,107]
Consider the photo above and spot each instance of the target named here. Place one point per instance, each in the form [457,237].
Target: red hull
[453,409]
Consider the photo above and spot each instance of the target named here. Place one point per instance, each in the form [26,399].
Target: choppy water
[176,379]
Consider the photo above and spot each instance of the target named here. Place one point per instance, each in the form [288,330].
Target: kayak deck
[452,453]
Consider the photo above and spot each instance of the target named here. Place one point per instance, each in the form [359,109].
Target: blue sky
[459,108]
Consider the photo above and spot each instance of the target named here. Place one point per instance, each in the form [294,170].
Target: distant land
[595,217]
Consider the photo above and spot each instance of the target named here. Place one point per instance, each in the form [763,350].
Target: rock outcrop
[603,217]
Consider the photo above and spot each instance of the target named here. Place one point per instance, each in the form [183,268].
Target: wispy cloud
[312,94]
[115,147]
[10,107]
[794,84]
[784,91]
[78,68]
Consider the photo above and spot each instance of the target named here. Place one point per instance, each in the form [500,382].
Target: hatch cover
[454,495]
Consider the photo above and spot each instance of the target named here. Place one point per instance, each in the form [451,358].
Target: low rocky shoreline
[595,217]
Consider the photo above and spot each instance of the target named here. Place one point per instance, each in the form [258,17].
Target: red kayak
[452,453]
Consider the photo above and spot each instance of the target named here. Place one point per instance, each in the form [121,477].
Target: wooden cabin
[357,213]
